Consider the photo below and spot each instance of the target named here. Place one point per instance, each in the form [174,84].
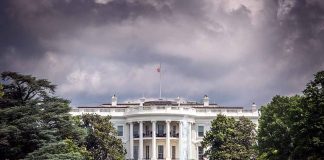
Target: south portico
[160,137]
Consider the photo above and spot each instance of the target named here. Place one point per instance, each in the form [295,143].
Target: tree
[308,127]
[274,136]
[230,139]
[37,125]
[65,149]
[20,89]
[292,127]
[31,118]
[101,140]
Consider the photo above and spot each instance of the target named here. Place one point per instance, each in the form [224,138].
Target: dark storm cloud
[235,51]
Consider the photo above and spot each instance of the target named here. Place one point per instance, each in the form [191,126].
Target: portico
[156,139]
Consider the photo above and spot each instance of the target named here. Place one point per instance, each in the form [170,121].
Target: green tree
[229,139]
[308,126]
[292,127]
[65,149]
[30,117]
[274,136]
[101,140]
[36,124]
[19,89]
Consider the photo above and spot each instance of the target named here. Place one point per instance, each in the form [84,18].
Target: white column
[153,140]
[140,150]
[168,148]
[180,140]
[131,140]
[189,140]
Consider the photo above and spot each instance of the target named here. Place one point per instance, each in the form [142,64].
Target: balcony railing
[160,135]
[176,135]
[194,110]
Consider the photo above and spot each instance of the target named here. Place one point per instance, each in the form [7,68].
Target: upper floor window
[160,129]
[200,131]
[120,130]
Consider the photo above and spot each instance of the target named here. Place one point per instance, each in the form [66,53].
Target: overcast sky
[235,51]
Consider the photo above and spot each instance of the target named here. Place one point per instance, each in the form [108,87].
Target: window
[135,151]
[160,130]
[147,152]
[173,152]
[200,153]
[200,131]
[174,129]
[160,152]
[135,132]
[120,130]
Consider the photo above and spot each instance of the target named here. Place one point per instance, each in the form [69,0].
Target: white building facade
[164,129]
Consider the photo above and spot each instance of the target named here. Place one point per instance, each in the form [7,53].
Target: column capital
[139,121]
[168,121]
[153,121]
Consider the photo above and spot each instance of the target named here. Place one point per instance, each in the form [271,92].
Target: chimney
[142,100]
[254,107]
[114,100]
[178,100]
[206,101]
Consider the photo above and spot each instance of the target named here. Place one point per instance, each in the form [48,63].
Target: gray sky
[236,51]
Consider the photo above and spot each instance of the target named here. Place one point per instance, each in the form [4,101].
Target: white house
[164,129]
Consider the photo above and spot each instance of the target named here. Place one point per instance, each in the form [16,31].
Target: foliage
[101,140]
[37,125]
[20,89]
[1,91]
[292,127]
[230,139]
[65,149]
[274,136]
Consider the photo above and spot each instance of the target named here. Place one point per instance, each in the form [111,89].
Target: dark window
[160,129]
[200,153]
[135,132]
[135,152]
[120,130]
[200,131]
[160,152]
[147,152]
[173,152]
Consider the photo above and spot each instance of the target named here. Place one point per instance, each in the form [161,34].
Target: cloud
[235,51]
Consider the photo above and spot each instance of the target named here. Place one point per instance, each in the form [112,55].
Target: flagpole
[160,82]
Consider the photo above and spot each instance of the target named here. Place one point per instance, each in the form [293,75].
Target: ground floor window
[160,152]
[147,152]
[135,152]
[173,152]
[200,153]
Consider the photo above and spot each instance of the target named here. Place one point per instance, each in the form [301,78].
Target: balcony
[147,134]
[160,135]
[174,135]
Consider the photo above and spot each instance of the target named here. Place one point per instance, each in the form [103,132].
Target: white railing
[155,110]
